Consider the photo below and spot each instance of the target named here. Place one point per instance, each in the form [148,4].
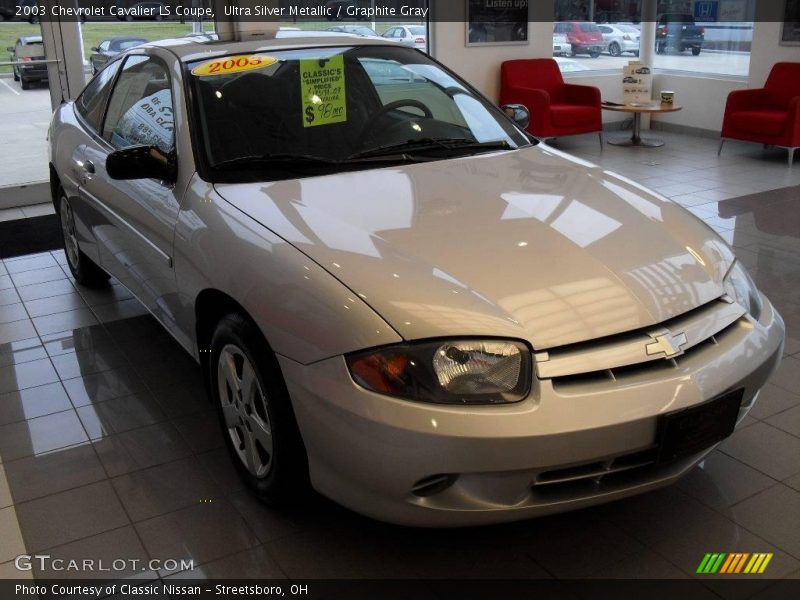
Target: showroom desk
[637,109]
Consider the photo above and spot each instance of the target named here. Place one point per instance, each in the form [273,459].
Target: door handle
[88,166]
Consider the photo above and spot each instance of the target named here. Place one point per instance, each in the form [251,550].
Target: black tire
[83,269]
[594,54]
[661,47]
[695,51]
[286,478]
[16,75]
[24,83]
[614,49]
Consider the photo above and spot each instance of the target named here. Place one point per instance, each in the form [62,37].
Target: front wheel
[695,51]
[24,83]
[83,269]
[256,414]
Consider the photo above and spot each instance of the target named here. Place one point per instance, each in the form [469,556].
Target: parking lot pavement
[24,117]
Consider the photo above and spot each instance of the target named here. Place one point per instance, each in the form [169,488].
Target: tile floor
[102,455]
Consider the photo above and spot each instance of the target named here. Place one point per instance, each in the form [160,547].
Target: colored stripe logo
[734,563]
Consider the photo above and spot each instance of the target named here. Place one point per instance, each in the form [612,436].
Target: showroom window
[704,37]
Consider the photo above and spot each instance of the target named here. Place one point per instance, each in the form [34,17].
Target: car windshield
[123,45]
[290,113]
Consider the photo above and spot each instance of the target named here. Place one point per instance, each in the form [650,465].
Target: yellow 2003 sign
[233,64]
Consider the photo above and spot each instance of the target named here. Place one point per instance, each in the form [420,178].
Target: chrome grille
[617,356]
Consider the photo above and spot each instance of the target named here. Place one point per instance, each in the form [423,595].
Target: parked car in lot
[415,36]
[560,45]
[394,294]
[26,50]
[109,48]
[620,38]
[678,32]
[583,37]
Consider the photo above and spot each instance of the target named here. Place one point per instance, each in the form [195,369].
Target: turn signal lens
[452,372]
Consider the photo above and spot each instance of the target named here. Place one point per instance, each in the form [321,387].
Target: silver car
[620,38]
[396,296]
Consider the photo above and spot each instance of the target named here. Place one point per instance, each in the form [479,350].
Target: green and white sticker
[324,91]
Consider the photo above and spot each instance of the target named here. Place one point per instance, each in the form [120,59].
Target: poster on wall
[790,36]
[497,22]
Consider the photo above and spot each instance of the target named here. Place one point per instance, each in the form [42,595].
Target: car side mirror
[141,162]
[94,49]
[518,113]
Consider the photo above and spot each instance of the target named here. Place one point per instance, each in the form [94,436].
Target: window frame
[162,63]
[113,83]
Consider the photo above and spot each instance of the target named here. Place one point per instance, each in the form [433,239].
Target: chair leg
[600,135]
[719,150]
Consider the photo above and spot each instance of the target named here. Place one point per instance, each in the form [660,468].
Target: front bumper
[33,72]
[368,451]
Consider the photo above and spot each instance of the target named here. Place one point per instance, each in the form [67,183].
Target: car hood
[531,244]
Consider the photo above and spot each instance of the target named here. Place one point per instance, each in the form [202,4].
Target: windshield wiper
[458,145]
[303,161]
[266,160]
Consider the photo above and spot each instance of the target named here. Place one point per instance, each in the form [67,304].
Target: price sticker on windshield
[233,64]
[324,91]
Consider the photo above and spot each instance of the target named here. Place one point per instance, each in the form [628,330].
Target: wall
[766,51]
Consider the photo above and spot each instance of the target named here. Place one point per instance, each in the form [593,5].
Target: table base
[643,142]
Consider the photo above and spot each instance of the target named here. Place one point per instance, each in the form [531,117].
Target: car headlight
[447,372]
[740,286]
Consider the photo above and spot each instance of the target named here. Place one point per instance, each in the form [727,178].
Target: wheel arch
[55,183]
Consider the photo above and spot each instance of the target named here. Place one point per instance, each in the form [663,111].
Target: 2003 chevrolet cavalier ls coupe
[396,296]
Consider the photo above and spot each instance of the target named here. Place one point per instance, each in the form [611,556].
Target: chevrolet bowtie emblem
[667,343]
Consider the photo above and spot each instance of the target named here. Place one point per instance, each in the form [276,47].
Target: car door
[134,230]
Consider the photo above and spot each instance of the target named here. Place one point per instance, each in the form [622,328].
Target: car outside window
[105,45]
[140,109]
[92,101]
[378,101]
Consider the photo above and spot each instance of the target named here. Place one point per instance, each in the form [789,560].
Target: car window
[91,104]
[417,30]
[606,29]
[333,104]
[140,109]
[105,45]
[589,27]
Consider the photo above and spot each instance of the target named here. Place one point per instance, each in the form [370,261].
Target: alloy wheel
[244,408]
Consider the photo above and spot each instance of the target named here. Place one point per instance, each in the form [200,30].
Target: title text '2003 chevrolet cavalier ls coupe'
[396,296]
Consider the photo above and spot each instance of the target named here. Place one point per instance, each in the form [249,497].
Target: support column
[63,43]
[647,41]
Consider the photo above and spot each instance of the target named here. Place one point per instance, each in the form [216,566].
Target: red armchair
[556,108]
[768,115]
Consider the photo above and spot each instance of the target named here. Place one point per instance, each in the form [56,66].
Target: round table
[637,108]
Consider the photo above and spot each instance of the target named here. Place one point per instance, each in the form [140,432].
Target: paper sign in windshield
[233,64]
[324,91]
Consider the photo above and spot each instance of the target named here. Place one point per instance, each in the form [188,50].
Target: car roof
[123,38]
[189,49]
